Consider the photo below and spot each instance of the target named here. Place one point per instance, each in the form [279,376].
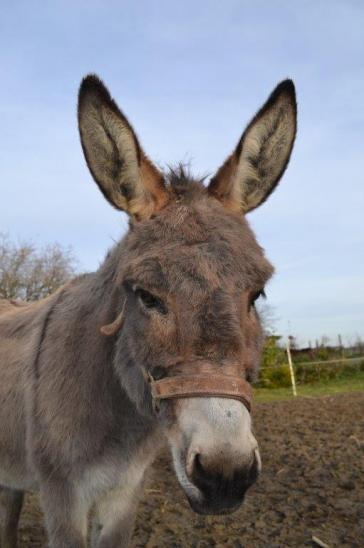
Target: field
[334,386]
[312,484]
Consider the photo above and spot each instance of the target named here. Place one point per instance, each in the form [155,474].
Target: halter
[200,385]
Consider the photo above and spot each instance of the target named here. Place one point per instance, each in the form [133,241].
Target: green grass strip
[334,386]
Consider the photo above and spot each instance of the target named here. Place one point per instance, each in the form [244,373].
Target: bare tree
[268,317]
[292,342]
[324,341]
[30,274]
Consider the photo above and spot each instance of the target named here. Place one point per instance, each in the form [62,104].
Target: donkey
[159,345]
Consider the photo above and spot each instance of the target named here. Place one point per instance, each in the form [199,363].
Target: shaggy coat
[175,296]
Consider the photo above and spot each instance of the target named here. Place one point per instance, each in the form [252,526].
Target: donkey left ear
[252,172]
[124,174]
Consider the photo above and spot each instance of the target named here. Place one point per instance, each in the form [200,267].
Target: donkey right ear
[254,169]
[124,174]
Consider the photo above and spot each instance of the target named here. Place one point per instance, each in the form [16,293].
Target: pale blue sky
[189,75]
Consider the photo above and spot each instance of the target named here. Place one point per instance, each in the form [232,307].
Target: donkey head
[189,273]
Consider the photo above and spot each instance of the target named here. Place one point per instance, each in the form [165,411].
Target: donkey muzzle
[218,459]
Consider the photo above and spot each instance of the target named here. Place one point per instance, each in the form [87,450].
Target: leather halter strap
[201,385]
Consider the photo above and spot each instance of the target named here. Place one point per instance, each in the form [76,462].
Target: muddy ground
[312,485]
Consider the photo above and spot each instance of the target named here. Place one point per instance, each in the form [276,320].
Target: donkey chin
[215,454]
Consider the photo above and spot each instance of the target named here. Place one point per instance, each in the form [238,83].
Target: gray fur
[76,415]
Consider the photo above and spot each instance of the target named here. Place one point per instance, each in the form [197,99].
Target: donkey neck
[80,391]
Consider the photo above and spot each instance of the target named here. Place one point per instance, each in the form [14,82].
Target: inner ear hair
[254,169]
[124,174]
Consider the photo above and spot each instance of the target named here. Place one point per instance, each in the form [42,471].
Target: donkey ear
[124,174]
[252,172]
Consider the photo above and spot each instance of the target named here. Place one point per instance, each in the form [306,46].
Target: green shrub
[275,377]
[322,353]
[323,372]
[275,373]
[273,354]
[279,376]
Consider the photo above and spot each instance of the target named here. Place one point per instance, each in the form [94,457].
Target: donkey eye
[255,296]
[150,301]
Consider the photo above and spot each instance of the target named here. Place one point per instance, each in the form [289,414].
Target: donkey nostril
[200,475]
[197,464]
[216,485]
[200,467]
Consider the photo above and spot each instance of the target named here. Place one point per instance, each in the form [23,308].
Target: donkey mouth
[213,507]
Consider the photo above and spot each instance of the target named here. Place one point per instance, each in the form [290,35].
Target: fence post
[293,380]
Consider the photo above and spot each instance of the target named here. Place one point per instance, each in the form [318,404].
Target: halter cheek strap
[198,385]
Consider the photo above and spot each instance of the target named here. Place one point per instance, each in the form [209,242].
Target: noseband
[200,385]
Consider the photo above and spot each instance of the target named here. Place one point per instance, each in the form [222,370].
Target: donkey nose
[222,493]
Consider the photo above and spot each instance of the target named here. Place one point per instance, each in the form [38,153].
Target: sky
[190,75]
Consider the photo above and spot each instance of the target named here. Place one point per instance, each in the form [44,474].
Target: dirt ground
[312,485]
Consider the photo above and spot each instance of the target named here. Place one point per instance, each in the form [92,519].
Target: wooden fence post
[293,380]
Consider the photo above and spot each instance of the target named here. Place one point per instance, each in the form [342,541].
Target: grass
[335,386]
